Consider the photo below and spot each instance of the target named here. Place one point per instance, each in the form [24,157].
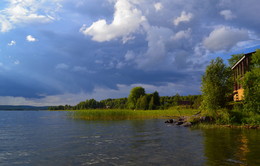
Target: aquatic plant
[124,114]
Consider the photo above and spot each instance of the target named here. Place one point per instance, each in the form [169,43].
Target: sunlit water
[50,138]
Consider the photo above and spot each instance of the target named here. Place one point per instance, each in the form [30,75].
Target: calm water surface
[50,138]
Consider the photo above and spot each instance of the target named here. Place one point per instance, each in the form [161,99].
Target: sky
[56,52]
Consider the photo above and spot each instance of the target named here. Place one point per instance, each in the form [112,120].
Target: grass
[124,114]
[217,126]
[234,117]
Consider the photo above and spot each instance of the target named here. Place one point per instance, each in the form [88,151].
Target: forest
[141,101]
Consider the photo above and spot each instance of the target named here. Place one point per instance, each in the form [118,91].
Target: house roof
[248,54]
[238,62]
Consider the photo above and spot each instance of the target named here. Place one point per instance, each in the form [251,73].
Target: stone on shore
[181,121]
[187,124]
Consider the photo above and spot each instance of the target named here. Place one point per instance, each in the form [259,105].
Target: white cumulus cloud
[12,43]
[182,34]
[5,25]
[156,54]
[224,38]
[30,38]
[184,17]
[158,6]
[227,14]
[127,20]
[27,11]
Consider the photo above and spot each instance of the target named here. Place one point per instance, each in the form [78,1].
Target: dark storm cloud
[24,86]
[93,9]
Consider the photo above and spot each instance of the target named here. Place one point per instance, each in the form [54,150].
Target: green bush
[251,118]
[223,117]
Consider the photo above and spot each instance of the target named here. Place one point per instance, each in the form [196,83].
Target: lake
[51,138]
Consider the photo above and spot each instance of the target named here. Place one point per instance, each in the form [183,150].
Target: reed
[124,114]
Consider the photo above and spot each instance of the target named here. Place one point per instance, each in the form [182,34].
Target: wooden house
[239,69]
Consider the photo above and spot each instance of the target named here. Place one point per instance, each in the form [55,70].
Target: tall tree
[144,102]
[156,99]
[216,86]
[251,85]
[151,104]
[134,95]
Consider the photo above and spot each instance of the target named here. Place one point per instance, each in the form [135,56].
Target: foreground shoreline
[195,121]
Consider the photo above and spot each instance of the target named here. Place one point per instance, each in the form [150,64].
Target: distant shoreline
[22,108]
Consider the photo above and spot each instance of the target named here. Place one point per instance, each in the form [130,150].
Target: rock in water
[186,124]
[179,123]
[169,121]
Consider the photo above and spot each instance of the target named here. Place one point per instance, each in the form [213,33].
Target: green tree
[81,105]
[138,104]
[197,102]
[92,104]
[143,103]
[151,104]
[216,86]
[153,100]
[251,85]
[156,99]
[134,95]
[176,99]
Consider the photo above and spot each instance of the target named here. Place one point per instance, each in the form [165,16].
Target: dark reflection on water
[50,138]
[232,146]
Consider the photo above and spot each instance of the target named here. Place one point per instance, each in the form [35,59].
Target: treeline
[120,103]
[137,100]
[190,101]
[108,103]
[22,107]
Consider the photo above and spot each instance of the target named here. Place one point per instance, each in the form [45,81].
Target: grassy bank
[123,114]
[233,126]
[233,117]
[224,118]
